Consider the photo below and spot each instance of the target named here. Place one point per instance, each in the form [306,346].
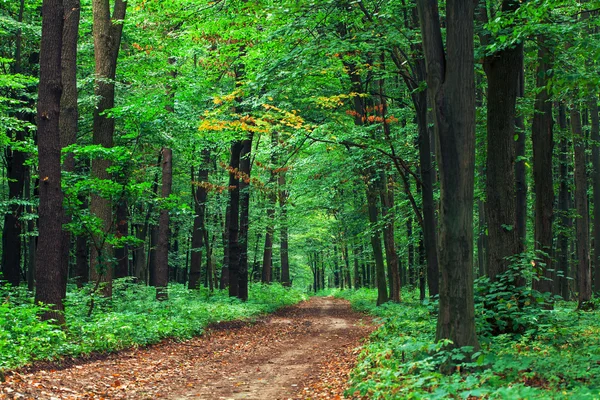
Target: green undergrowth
[556,356]
[132,318]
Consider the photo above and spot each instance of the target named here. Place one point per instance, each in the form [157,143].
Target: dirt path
[303,352]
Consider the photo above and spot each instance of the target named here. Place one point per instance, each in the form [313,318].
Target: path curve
[304,351]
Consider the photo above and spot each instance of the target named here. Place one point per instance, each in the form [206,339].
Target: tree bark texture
[283,230]
[595,136]
[234,219]
[245,169]
[162,246]
[107,31]
[584,272]
[50,274]
[199,227]
[503,73]
[382,295]
[387,214]
[564,204]
[450,79]
[543,142]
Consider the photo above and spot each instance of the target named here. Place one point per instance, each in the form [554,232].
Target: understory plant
[555,355]
[132,317]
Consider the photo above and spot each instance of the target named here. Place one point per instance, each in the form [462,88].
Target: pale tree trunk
[450,79]
[107,30]
[162,247]
[50,274]
[584,272]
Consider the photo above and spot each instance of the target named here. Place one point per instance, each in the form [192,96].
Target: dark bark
[107,30]
[162,246]
[32,240]
[387,214]
[152,264]
[199,228]
[122,253]
[595,136]
[357,277]
[451,85]
[69,113]
[268,250]
[50,274]
[584,273]
[542,138]
[564,197]
[234,219]
[520,170]
[372,192]
[245,169]
[283,230]
[503,73]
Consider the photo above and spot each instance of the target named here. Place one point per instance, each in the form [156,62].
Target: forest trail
[304,351]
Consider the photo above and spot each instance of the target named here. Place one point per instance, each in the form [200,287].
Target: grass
[132,318]
[558,357]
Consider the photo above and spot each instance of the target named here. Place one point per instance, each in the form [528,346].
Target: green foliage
[132,318]
[559,360]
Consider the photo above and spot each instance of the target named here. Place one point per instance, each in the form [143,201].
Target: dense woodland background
[320,144]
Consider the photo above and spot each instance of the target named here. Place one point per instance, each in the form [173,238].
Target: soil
[301,352]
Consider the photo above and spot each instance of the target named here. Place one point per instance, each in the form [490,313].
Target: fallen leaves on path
[302,352]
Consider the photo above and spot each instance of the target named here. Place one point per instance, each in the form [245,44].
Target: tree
[162,247]
[451,85]
[50,273]
[107,31]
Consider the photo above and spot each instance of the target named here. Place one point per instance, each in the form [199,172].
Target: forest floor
[300,352]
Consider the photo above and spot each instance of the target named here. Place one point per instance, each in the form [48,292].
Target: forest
[410,187]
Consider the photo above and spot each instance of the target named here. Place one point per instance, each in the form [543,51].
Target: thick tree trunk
[595,136]
[382,295]
[50,274]
[107,30]
[234,219]
[543,142]
[245,169]
[450,79]
[162,247]
[584,273]
[503,73]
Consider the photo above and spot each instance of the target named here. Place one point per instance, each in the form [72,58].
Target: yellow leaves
[338,99]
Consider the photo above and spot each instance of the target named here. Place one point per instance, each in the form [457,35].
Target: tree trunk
[451,85]
[50,274]
[122,252]
[595,136]
[382,295]
[584,273]
[234,219]
[503,73]
[520,171]
[107,30]
[387,214]
[564,196]
[283,230]
[357,276]
[162,247]
[199,228]
[543,143]
[245,169]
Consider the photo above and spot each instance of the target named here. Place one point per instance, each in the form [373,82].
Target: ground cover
[555,356]
[132,318]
